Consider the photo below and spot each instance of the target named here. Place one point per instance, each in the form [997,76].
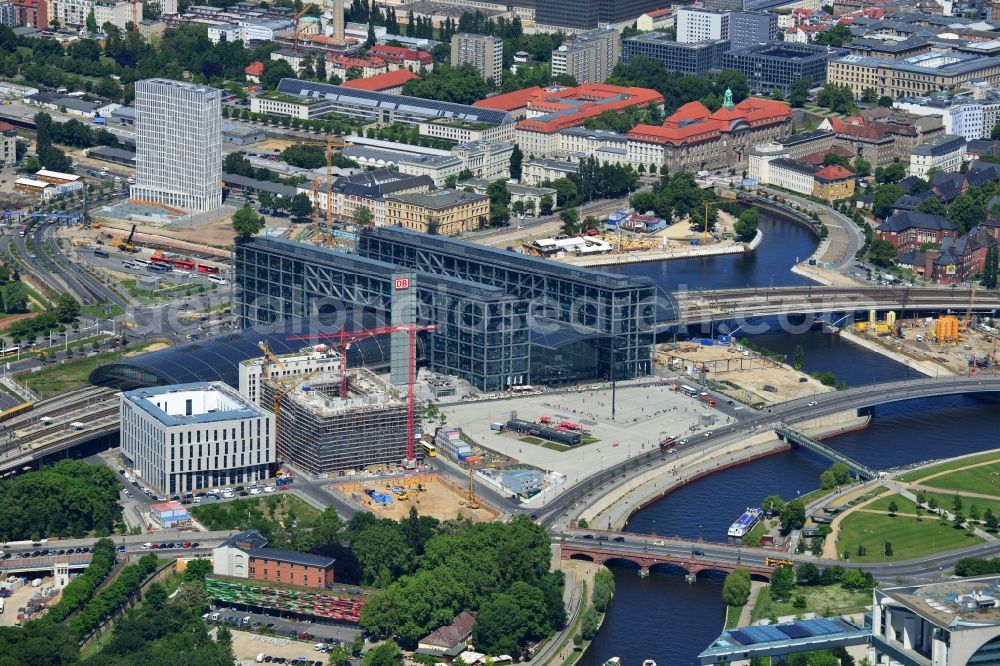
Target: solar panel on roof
[821,627]
[793,631]
[741,637]
[764,634]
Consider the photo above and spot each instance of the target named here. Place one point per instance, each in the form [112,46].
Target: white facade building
[184,437]
[942,153]
[70,12]
[759,168]
[178,144]
[701,25]
[485,159]
[791,175]
[320,359]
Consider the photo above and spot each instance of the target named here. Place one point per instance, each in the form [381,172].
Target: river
[669,620]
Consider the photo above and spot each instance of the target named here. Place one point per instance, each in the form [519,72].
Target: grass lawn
[946,501]
[531,440]
[71,375]
[96,310]
[910,538]
[985,480]
[272,509]
[916,475]
[552,446]
[821,599]
[733,616]
[882,504]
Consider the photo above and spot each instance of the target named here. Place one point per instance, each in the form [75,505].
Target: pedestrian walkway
[756,587]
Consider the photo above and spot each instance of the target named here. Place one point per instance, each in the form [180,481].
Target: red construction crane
[344,338]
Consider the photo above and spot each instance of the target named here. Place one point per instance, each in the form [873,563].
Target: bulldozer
[126,245]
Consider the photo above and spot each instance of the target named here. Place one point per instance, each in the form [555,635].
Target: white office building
[184,437]
[701,25]
[313,360]
[945,152]
[178,144]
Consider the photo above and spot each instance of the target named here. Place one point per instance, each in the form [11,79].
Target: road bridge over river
[702,306]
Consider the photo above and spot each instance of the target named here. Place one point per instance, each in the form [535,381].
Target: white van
[218,279]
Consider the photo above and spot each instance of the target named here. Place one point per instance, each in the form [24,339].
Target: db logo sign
[402,283]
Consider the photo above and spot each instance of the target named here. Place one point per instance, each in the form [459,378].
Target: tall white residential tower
[178,144]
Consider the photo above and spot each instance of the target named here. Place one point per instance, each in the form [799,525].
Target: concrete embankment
[615,507]
[923,367]
[639,257]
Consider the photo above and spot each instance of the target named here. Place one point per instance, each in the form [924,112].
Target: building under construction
[322,433]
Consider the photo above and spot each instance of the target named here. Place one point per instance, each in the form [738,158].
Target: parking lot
[283,628]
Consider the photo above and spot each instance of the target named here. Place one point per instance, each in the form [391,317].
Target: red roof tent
[582,102]
[383,81]
[256,68]
[658,12]
[693,122]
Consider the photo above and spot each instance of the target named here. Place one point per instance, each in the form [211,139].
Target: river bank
[926,368]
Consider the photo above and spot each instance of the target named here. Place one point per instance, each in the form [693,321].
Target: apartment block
[483,52]
[701,25]
[588,57]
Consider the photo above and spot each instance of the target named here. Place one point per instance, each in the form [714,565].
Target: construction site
[429,494]
[326,429]
[745,375]
[946,344]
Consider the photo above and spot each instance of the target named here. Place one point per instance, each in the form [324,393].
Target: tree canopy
[462,85]
[246,222]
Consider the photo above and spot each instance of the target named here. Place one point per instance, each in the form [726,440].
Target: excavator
[126,245]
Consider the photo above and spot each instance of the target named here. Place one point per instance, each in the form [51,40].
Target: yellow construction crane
[306,8]
[473,500]
[708,204]
[269,359]
[314,196]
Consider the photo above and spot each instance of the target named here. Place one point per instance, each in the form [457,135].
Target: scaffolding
[325,434]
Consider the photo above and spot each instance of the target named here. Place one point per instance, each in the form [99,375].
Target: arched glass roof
[218,359]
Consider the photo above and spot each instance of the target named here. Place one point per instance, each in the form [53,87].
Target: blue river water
[664,618]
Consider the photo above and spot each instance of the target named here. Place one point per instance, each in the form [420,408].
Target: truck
[707,399]
[126,245]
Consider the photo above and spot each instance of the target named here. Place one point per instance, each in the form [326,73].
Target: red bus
[184,264]
[163,261]
[211,270]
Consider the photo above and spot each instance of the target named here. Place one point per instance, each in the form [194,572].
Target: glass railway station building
[505,319]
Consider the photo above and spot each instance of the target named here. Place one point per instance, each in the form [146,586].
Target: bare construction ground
[745,374]
[440,500]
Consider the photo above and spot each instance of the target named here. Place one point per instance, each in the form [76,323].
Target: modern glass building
[506,319]
[178,144]
[584,323]
[483,336]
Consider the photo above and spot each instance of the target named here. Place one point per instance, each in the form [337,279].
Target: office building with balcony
[484,52]
[588,57]
[178,145]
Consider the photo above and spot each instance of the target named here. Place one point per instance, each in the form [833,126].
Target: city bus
[8,352]
[688,390]
[205,268]
[429,449]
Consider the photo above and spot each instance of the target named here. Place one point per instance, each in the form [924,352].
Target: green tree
[246,222]
[511,618]
[91,22]
[841,472]
[893,173]
[862,167]
[773,504]
[990,269]
[462,85]
[15,297]
[736,587]
[837,98]
[990,520]
[885,102]
[545,205]
[571,221]
[799,357]
[827,481]
[67,308]
[793,516]
[956,503]
[363,217]
[807,573]
[782,582]
[932,206]
[384,654]
[869,96]
[197,570]
[274,71]
[746,225]
[301,205]
[893,508]
[799,92]
[588,624]
[516,159]
[339,656]
[604,590]
[882,253]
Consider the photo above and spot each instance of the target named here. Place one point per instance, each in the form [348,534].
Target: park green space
[910,538]
[821,599]
[946,501]
[918,474]
[903,505]
[262,511]
[72,375]
[984,479]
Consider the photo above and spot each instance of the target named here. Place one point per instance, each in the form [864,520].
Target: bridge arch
[624,562]
[583,557]
[671,568]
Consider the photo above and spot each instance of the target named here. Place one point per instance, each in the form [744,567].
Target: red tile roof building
[694,138]
[341,64]
[549,111]
[388,82]
[398,57]
[254,70]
